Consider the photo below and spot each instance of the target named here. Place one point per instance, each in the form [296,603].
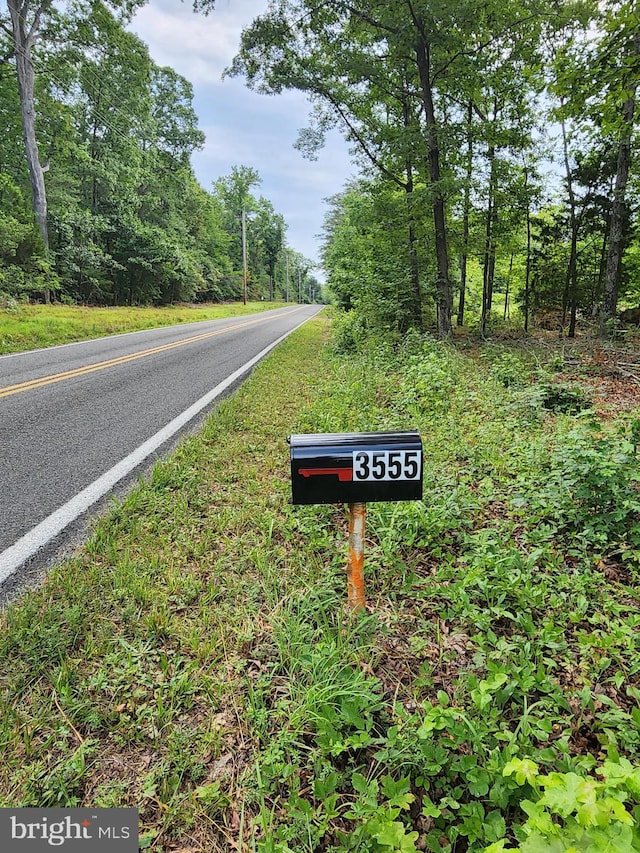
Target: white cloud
[199,47]
[242,127]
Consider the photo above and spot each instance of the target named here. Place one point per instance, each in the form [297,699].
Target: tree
[624,45]
[466,214]
[570,295]
[26,25]
[234,191]
[398,78]
[26,20]
[127,219]
[269,228]
[352,85]
[175,125]
[362,254]
[21,267]
[597,77]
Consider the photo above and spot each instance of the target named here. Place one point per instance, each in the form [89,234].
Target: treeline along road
[75,420]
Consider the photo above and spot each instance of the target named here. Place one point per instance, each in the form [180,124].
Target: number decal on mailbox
[386,465]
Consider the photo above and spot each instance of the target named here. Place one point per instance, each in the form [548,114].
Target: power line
[38,66]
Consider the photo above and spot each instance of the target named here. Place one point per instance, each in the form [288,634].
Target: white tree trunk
[24,34]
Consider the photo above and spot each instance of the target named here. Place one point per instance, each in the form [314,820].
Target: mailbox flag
[345,475]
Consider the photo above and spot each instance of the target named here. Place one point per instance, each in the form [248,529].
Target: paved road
[76,419]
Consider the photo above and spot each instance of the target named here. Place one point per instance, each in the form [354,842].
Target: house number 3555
[386,465]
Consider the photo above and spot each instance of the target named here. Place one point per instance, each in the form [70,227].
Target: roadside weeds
[196,659]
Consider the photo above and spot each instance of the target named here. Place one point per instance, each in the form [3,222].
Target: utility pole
[244,257]
[299,286]
[287,290]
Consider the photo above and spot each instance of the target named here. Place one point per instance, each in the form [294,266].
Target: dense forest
[495,145]
[494,142]
[98,200]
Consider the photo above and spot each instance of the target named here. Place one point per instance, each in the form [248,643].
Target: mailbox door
[356,467]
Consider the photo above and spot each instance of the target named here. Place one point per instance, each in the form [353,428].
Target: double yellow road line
[33,384]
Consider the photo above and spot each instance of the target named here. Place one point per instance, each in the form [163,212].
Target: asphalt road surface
[77,420]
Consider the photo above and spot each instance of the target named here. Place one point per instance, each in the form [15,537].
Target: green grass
[196,658]
[25,326]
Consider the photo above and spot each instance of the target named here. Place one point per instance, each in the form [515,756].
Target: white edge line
[17,554]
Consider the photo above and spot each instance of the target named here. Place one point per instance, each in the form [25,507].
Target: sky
[243,127]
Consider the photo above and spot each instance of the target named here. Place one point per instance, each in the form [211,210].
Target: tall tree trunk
[601,271]
[444,290]
[465,218]
[570,295]
[508,288]
[527,274]
[23,37]
[414,267]
[95,154]
[618,208]
[489,265]
[416,301]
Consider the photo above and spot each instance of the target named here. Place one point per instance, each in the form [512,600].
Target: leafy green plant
[571,812]
[590,489]
[201,639]
[348,332]
[427,378]
[559,397]
[376,824]
[510,370]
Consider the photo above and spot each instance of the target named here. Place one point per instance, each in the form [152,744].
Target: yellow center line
[32,384]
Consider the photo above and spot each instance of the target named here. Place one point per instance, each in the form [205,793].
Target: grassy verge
[25,327]
[196,659]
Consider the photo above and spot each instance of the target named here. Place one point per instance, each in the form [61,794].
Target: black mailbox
[356,467]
